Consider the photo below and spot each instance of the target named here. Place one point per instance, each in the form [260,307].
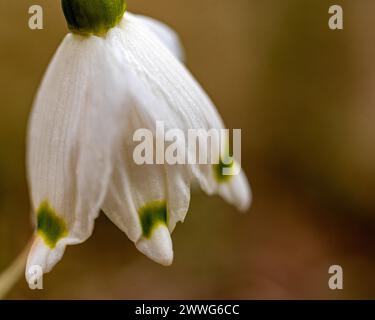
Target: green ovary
[50,227]
[96,17]
[218,171]
[152,215]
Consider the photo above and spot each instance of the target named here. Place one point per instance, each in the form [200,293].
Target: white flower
[98,90]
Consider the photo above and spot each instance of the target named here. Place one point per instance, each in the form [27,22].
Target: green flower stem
[93,17]
[10,276]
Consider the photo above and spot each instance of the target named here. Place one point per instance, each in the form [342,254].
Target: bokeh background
[304,97]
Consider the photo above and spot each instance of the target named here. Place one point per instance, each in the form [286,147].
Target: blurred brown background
[304,97]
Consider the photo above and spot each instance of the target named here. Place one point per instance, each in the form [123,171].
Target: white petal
[185,100]
[131,187]
[42,256]
[166,77]
[134,187]
[158,247]
[237,192]
[72,135]
[165,34]
[178,190]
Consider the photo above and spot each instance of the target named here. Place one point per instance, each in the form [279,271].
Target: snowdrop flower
[114,73]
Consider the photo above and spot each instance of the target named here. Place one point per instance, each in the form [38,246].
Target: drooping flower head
[113,74]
